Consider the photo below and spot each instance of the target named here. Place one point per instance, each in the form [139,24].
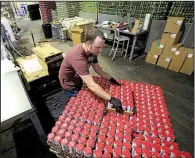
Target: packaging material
[170,38]
[136,26]
[164,61]
[36,74]
[179,58]
[169,51]
[157,47]
[77,36]
[174,24]
[146,21]
[188,66]
[152,58]
[46,52]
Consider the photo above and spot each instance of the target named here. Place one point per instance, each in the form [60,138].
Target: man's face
[96,47]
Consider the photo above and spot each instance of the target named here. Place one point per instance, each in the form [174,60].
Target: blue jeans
[71,93]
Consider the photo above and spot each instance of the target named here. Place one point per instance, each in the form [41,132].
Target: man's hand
[117,104]
[113,81]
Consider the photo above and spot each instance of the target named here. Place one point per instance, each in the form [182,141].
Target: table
[135,37]
[14,99]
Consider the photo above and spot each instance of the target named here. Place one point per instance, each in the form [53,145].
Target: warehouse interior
[159,53]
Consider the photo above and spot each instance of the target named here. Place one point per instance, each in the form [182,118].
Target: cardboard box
[178,59]
[174,24]
[136,26]
[77,36]
[188,66]
[170,38]
[152,58]
[169,51]
[164,61]
[157,47]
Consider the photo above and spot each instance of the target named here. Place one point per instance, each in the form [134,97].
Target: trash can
[77,36]
[47,30]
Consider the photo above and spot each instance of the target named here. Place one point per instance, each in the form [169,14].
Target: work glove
[113,81]
[116,104]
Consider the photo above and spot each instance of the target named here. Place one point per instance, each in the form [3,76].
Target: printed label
[177,53]
[173,49]
[179,22]
[155,56]
[161,46]
[173,35]
[190,55]
[167,60]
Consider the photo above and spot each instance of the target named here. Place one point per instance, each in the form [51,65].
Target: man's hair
[92,34]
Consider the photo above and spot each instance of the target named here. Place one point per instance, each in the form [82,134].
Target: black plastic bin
[47,30]
[32,7]
[34,14]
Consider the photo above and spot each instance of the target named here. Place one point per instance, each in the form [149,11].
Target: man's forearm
[99,92]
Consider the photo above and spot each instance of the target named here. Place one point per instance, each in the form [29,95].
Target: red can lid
[92,135]
[108,149]
[185,154]
[137,141]
[71,144]
[175,152]
[68,134]
[62,117]
[116,152]
[173,145]
[127,146]
[78,130]
[64,141]
[97,154]
[90,142]
[50,136]
[55,129]
[156,147]
[67,119]
[127,138]
[105,124]
[165,149]
[126,154]
[79,147]
[75,137]
[103,131]
[100,145]
[57,138]
[146,153]
[85,132]
[106,155]
[82,139]
[64,125]
[138,150]
[149,138]
[73,122]
[80,124]
[171,137]
[157,140]
[61,132]
[119,135]
[102,137]
[87,151]
[165,155]
[118,143]
[71,127]
[87,125]
[109,140]
[146,144]
[111,133]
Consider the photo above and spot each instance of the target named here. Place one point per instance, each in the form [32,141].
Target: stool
[117,40]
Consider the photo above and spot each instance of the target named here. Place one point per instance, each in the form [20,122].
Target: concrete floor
[178,88]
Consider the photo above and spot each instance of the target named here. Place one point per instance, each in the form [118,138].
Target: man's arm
[88,80]
[100,72]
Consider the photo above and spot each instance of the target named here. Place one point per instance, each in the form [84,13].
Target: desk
[135,37]
[14,99]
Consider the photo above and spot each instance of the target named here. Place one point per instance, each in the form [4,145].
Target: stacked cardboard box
[168,53]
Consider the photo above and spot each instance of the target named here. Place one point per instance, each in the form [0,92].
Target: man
[75,68]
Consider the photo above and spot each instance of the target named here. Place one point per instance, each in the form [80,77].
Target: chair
[117,40]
